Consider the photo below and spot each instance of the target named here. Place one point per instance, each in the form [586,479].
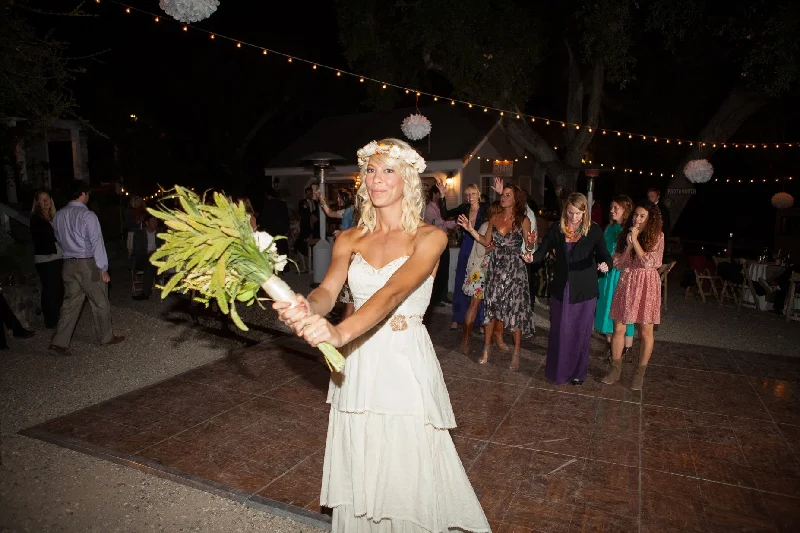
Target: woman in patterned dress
[475,280]
[506,295]
[475,210]
[637,299]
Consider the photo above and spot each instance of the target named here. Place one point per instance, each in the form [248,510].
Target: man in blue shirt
[85,272]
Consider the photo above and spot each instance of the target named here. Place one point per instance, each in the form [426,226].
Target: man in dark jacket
[654,197]
[145,242]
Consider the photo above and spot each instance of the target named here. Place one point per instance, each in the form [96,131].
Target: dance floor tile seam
[541,457]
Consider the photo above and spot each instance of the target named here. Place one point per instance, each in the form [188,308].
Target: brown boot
[613,375]
[638,378]
[465,335]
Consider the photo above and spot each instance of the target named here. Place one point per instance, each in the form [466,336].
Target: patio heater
[321,163]
[591,174]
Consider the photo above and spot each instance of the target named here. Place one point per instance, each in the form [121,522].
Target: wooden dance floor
[712,444]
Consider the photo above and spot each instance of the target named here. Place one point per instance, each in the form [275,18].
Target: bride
[390,463]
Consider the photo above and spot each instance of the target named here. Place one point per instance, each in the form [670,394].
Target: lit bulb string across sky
[602,166]
[537,119]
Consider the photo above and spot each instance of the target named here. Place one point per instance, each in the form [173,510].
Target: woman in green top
[621,208]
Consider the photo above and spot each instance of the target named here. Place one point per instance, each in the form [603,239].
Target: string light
[129,9]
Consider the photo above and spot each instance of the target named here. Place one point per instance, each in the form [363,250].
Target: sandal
[484,356]
[514,366]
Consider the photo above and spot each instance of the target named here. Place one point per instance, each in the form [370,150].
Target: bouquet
[213,250]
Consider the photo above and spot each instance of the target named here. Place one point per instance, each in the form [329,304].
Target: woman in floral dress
[637,299]
[475,280]
[506,295]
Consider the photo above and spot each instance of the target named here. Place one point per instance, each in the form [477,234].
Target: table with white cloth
[756,271]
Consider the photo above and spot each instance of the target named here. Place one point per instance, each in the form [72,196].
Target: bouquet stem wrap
[279,290]
[215,255]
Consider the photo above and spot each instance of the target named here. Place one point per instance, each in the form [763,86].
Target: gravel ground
[47,488]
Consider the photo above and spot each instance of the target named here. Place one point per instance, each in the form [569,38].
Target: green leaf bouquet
[213,250]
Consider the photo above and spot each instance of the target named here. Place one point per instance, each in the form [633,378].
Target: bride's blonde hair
[413,195]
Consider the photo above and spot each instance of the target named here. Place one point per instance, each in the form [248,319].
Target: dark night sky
[198,97]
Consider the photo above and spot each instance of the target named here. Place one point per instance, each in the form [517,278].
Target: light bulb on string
[128,10]
[212,35]
[338,73]
[290,60]
[186,28]
[156,19]
[314,67]
[264,51]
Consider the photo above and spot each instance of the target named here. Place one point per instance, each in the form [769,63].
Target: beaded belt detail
[400,322]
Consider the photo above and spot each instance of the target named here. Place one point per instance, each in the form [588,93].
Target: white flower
[280,263]
[394,151]
[264,240]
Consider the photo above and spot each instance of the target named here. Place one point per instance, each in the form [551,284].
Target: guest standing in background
[475,280]
[346,212]
[621,207]
[85,271]
[475,211]
[47,257]
[145,242]
[308,209]
[580,252]
[637,299]
[654,198]
[132,220]
[506,293]
[433,216]
[275,220]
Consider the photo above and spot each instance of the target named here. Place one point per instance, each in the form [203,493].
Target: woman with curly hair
[390,462]
[637,299]
[621,207]
[507,297]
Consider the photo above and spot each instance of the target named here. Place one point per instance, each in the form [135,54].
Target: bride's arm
[421,264]
[427,250]
[323,298]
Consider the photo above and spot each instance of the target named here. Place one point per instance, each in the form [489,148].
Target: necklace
[572,234]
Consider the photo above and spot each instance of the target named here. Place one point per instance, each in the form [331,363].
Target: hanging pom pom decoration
[698,171]
[783,200]
[416,126]
[189,10]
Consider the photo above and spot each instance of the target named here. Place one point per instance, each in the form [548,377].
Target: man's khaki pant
[82,280]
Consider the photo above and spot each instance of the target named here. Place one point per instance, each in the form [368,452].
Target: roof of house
[455,131]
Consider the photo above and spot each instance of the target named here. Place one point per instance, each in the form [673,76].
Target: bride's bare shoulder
[428,235]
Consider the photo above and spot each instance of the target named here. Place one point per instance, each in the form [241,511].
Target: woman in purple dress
[580,251]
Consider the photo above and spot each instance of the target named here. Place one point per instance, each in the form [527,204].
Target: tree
[34,81]
[484,52]
[755,41]
[490,51]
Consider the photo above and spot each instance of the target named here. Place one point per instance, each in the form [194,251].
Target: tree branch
[732,113]
[574,94]
[583,137]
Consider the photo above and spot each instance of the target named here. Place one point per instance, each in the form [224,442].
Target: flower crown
[407,155]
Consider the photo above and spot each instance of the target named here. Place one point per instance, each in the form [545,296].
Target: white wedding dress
[390,463]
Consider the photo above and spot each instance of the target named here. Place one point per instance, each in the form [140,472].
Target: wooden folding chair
[790,315]
[664,271]
[735,291]
[702,277]
[137,282]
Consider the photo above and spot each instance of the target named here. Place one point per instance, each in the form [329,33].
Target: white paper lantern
[189,10]
[698,171]
[416,127]
[783,200]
